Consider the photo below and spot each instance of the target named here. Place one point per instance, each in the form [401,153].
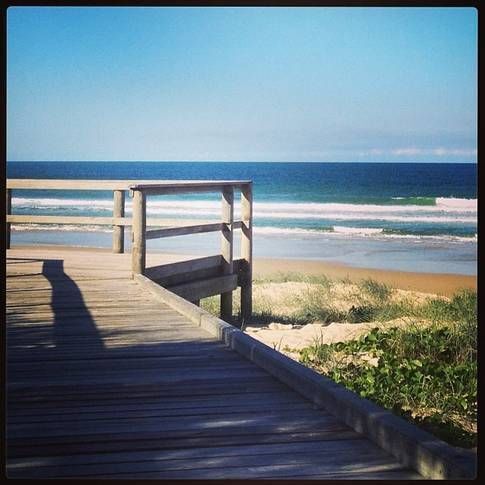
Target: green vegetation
[420,360]
[425,373]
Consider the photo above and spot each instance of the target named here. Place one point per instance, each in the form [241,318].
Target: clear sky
[247,84]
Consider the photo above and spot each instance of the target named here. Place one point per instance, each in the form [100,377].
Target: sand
[288,339]
[436,283]
[284,299]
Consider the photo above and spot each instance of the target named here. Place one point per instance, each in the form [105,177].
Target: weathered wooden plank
[162,271]
[335,458]
[118,211]
[159,441]
[307,464]
[103,368]
[138,250]
[29,396]
[268,406]
[270,448]
[183,230]
[205,288]
[184,186]
[62,184]
[135,418]
[8,211]
[227,236]
[246,252]
[169,348]
[207,406]
[128,323]
[68,184]
[183,278]
[81,220]
[72,301]
[160,429]
[179,377]
[166,222]
[239,396]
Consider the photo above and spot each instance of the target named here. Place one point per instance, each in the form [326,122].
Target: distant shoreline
[445,284]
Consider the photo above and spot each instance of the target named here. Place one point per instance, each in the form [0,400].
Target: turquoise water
[349,212]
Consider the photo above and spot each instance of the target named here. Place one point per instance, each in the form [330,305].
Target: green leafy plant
[418,374]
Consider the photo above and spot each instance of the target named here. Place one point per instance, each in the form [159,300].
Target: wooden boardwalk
[104,381]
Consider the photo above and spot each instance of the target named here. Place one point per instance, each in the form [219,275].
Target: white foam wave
[442,205]
[446,211]
[457,204]
[363,231]
[335,232]
[346,232]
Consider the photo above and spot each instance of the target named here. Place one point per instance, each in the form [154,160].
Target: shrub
[419,374]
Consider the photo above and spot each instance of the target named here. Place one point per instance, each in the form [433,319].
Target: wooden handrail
[95,220]
[63,184]
[182,230]
[118,221]
[192,186]
[229,279]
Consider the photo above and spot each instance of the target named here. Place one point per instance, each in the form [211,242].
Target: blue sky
[242,84]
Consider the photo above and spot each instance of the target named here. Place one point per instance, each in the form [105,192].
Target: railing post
[227,247]
[118,211]
[138,250]
[8,210]
[247,251]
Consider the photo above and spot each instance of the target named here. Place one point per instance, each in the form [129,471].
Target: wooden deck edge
[413,447]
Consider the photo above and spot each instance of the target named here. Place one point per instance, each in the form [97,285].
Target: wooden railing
[208,276]
[194,279]
[118,220]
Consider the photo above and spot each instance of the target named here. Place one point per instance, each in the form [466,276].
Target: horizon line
[243,161]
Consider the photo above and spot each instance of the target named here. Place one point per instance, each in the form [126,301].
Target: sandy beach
[436,283]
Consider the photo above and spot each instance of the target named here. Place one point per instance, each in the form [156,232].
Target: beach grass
[417,357]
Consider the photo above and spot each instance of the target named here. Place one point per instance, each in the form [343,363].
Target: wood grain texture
[105,381]
[246,252]
[227,251]
[118,211]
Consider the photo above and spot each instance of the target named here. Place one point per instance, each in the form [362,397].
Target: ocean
[404,216]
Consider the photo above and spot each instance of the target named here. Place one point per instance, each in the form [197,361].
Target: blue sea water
[407,216]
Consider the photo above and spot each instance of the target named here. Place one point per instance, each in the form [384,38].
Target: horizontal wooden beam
[62,184]
[182,231]
[102,221]
[182,185]
[207,287]
[69,184]
[188,186]
[165,270]
[99,221]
